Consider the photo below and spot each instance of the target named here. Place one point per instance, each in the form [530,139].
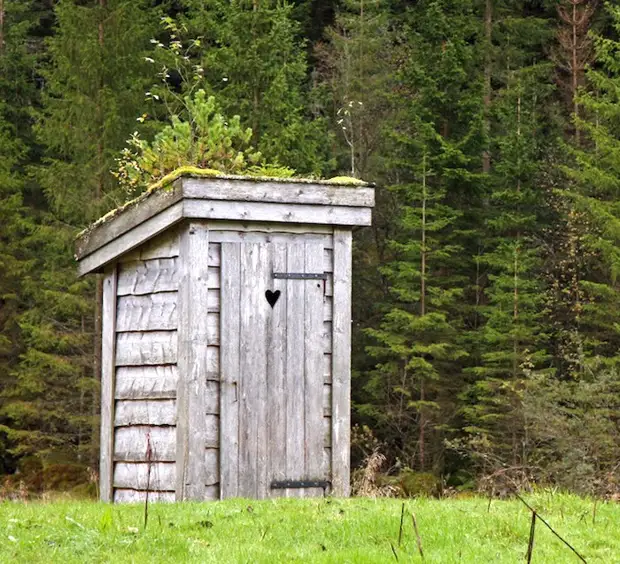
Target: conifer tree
[94,89]
[253,60]
[437,151]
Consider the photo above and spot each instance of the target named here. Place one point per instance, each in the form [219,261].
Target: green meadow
[311,530]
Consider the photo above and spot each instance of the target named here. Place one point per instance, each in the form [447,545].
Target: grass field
[325,530]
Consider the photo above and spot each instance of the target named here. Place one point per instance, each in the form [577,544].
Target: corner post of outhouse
[341,359]
[108,369]
[192,361]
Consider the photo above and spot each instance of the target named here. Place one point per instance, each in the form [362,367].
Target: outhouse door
[273,341]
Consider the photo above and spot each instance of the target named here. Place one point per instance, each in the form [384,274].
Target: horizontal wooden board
[212,433]
[164,246]
[138,235]
[142,475]
[285,213]
[149,312]
[131,444]
[148,277]
[216,227]
[139,349]
[146,382]
[145,412]
[104,232]
[276,238]
[134,496]
[212,465]
[277,192]
[327,400]
[329,285]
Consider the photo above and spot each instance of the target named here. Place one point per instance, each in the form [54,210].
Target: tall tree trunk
[422,418]
[97,341]
[1,26]
[488,61]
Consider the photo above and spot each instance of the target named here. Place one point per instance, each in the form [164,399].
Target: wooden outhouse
[226,338]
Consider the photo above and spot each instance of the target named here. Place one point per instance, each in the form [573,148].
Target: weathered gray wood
[154,347]
[131,444]
[166,245]
[195,336]
[215,252]
[212,398]
[212,493]
[212,466]
[313,367]
[327,308]
[269,228]
[134,496]
[341,364]
[327,368]
[148,277]
[264,281]
[213,363]
[285,213]
[146,382]
[329,285]
[276,238]
[328,257]
[108,344]
[149,312]
[295,381]
[157,476]
[327,344]
[126,220]
[124,243]
[327,400]
[276,373]
[212,431]
[229,363]
[279,192]
[145,412]
[252,364]
[327,434]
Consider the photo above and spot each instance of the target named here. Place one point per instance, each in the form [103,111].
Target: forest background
[486,293]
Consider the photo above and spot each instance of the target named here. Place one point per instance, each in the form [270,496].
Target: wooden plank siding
[145,391]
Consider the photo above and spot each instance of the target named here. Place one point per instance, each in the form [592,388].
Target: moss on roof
[196,172]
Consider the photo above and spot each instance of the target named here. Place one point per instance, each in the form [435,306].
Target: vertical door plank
[108,354]
[295,384]
[313,367]
[276,374]
[192,361]
[259,363]
[341,363]
[252,364]
[229,366]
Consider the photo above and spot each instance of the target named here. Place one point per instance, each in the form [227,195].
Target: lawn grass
[312,530]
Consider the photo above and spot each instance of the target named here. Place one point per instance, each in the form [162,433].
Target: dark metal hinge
[301,275]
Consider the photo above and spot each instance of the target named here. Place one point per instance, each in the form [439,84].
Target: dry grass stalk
[368,481]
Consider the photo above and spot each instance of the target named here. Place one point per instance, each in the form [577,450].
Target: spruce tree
[252,58]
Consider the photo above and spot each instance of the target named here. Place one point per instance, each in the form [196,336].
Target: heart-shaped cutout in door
[272,297]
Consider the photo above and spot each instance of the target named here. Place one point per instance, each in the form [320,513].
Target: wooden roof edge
[234,190]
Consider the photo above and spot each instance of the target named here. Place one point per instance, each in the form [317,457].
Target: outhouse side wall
[139,377]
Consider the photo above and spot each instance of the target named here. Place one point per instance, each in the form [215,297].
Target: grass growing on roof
[311,530]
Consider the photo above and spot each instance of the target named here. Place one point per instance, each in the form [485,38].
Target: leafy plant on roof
[204,139]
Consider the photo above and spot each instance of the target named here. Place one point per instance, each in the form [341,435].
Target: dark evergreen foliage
[486,296]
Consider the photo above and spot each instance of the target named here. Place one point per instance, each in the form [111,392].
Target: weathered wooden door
[272,347]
